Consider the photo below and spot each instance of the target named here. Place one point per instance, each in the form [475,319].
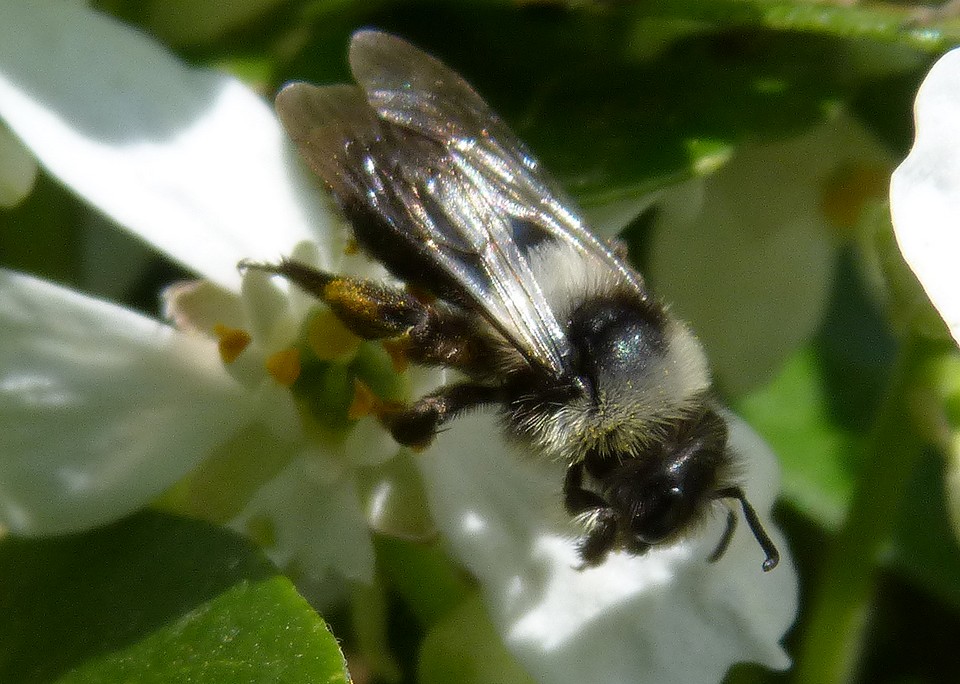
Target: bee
[506,284]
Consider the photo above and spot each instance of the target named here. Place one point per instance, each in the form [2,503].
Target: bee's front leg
[601,535]
[417,424]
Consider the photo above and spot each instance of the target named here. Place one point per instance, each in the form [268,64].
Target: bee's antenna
[753,522]
[724,542]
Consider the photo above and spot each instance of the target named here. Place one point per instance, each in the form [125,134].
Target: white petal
[318,522]
[668,616]
[752,271]
[366,444]
[102,408]
[925,191]
[190,160]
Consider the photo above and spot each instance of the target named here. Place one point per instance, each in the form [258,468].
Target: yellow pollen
[230,341]
[848,191]
[351,247]
[284,366]
[329,339]
[350,296]
[364,401]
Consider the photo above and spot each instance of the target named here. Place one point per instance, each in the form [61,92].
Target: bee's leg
[602,535]
[576,499]
[417,424]
[427,334]
[600,540]
[369,309]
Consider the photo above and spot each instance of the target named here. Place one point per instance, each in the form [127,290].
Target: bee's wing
[419,214]
[438,188]
[416,91]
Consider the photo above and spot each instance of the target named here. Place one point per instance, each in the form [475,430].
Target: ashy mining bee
[506,284]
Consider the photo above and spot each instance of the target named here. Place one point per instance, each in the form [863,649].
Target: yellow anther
[364,403]
[284,366]
[397,351]
[329,339]
[230,341]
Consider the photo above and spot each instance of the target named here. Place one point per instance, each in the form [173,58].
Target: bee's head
[657,496]
[659,509]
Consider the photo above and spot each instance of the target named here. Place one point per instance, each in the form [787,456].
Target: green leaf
[369,612]
[155,598]
[612,114]
[424,576]
[912,24]
[819,410]
[791,415]
[40,235]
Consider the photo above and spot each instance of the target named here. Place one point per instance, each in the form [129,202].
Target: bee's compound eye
[661,513]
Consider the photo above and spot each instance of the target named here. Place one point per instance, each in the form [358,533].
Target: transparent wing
[416,91]
[420,215]
[439,189]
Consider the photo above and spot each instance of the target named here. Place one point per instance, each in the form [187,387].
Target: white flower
[668,616]
[747,255]
[925,208]
[925,191]
[106,409]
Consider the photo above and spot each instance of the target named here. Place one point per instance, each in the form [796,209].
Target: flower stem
[836,628]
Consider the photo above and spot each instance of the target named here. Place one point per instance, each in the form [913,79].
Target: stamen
[230,341]
[397,351]
[284,366]
[364,403]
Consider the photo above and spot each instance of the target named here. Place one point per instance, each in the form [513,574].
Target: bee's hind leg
[426,333]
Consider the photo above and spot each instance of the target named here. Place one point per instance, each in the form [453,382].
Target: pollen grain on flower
[230,341]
